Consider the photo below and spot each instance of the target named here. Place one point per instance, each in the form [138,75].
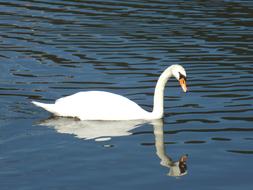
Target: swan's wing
[99,105]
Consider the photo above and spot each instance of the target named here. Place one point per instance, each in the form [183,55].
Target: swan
[101,105]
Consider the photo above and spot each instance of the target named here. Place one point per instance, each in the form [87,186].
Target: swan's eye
[181,76]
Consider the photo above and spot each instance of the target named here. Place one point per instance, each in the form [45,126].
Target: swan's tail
[49,107]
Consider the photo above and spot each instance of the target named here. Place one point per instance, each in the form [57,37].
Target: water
[50,49]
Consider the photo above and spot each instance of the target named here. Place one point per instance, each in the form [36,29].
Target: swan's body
[100,105]
[96,105]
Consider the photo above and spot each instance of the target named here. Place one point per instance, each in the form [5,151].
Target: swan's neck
[158,108]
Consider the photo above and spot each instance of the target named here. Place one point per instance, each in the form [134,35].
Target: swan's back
[98,105]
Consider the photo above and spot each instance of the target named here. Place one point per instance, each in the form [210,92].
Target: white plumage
[95,105]
[100,105]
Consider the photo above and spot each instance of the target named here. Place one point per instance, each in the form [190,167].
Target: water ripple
[51,49]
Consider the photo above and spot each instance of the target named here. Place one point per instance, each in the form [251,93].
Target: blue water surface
[50,49]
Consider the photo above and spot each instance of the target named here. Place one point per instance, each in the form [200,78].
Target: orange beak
[183,84]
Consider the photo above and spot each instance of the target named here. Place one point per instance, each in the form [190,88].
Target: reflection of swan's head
[179,73]
[179,168]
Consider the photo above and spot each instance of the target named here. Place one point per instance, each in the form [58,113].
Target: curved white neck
[158,108]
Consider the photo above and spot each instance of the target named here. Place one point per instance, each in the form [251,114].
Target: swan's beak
[183,84]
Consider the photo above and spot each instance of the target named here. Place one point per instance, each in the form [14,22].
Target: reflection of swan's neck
[159,93]
[178,168]
[159,144]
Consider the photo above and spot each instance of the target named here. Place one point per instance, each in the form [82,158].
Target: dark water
[50,49]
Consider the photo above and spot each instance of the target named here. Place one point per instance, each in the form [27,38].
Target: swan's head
[179,73]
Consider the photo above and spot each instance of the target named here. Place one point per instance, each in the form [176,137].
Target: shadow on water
[104,130]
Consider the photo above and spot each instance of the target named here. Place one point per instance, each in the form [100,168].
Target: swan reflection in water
[104,130]
[177,168]
[98,130]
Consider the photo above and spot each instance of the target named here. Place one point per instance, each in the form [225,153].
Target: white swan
[100,105]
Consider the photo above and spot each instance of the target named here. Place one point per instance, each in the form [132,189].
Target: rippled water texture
[50,49]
